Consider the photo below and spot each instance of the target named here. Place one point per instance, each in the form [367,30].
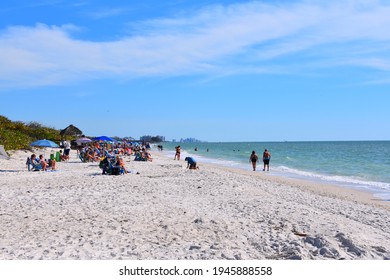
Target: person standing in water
[177,155]
[254,159]
[266,159]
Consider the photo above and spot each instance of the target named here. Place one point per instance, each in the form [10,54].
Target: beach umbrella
[3,153]
[83,140]
[44,143]
[103,138]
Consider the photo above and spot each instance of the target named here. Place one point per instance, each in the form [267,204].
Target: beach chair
[108,167]
[115,169]
[82,157]
[109,156]
[31,166]
[139,157]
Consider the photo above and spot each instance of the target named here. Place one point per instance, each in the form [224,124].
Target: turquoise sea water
[356,164]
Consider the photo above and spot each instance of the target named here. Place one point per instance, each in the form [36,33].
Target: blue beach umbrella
[44,143]
[103,138]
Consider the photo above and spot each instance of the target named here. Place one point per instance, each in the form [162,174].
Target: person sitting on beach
[109,154]
[92,156]
[61,155]
[147,156]
[44,164]
[83,155]
[254,159]
[177,155]
[120,163]
[191,163]
[104,164]
[51,163]
[128,151]
[34,162]
[88,155]
[143,156]
[139,156]
[266,159]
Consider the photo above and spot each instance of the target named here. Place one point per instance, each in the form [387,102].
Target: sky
[213,70]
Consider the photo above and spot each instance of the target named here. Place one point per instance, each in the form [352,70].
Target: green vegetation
[19,135]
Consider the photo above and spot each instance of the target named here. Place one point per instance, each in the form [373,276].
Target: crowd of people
[109,156]
[97,151]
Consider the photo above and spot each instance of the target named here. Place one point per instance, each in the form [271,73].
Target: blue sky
[213,70]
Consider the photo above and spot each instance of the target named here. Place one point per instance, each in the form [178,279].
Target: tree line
[16,135]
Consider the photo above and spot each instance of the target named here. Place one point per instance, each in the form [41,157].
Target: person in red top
[266,159]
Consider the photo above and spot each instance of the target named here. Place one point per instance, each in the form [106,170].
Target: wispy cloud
[35,4]
[107,12]
[216,40]
[79,4]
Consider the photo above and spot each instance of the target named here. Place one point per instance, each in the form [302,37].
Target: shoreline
[170,212]
[319,188]
[321,172]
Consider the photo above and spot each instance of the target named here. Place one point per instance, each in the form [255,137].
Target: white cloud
[215,41]
[107,12]
[377,63]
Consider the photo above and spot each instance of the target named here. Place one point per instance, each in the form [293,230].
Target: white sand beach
[170,212]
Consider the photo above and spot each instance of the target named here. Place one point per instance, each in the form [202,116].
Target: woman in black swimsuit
[254,159]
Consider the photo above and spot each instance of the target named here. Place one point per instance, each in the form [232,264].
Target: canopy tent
[70,130]
[3,153]
[44,143]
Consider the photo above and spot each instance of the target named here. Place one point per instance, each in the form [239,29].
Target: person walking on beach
[254,159]
[177,155]
[266,159]
[66,150]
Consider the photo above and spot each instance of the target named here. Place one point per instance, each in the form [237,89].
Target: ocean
[363,165]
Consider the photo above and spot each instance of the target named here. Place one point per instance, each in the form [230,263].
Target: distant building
[152,139]
[189,140]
